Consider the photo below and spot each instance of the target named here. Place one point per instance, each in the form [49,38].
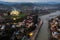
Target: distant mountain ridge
[1,2]
[18,4]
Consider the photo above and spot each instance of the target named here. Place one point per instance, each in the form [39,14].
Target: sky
[31,0]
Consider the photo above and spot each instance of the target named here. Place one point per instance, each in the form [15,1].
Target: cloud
[31,0]
[10,0]
[19,0]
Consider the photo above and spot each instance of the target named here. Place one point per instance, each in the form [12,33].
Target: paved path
[44,31]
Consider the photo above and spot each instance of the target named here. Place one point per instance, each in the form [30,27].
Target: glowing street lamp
[14,18]
[30,34]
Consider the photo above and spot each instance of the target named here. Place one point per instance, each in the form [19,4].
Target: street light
[14,18]
[31,34]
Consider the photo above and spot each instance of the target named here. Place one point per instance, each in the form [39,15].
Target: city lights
[14,18]
[31,34]
[15,13]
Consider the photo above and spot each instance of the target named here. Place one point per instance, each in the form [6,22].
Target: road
[44,31]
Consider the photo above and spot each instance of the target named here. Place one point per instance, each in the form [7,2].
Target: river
[44,31]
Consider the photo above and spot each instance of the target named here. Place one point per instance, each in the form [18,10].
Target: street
[44,31]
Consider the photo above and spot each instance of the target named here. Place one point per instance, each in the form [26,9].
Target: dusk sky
[30,0]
